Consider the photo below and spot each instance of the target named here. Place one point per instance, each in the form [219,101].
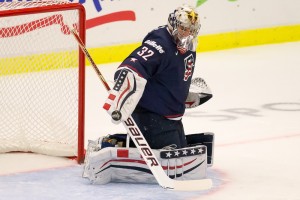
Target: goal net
[42,78]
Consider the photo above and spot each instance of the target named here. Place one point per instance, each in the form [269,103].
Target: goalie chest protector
[167,71]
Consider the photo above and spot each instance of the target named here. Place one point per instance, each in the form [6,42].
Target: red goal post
[42,78]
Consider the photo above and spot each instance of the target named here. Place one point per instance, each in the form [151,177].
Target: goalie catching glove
[199,93]
[125,95]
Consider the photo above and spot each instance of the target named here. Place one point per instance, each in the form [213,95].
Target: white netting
[16,4]
[39,74]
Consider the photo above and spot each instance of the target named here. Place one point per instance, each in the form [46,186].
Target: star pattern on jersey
[120,80]
[189,63]
[191,151]
[133,60]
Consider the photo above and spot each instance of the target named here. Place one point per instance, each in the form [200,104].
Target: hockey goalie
[114,158]
[154,86]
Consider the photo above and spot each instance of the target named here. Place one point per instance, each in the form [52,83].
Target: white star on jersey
[133,59]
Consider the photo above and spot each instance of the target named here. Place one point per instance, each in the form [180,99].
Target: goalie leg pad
[206,139]
[122,164]
[185,164]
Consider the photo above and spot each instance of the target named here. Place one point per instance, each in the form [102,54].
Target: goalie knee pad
[206,139]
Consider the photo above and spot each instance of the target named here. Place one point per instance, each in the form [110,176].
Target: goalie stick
[139,140]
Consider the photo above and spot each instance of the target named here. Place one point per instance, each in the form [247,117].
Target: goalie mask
[184,26]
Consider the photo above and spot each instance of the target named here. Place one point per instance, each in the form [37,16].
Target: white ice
[255,115]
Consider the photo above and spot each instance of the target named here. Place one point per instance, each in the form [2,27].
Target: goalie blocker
[114,158]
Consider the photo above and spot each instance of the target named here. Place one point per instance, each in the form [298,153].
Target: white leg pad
[121,164]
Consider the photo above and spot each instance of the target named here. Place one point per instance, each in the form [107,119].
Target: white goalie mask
[184,26]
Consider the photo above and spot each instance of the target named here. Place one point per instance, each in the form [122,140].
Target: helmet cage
[184,20]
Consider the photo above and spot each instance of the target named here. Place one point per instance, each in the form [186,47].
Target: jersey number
[145,53]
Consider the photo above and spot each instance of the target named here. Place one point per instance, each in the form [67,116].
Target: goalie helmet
[184,26]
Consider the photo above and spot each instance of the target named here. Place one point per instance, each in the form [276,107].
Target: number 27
[145,53]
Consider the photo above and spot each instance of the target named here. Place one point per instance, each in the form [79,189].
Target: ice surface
[255,115]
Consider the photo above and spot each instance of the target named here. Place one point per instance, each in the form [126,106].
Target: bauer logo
[140,142]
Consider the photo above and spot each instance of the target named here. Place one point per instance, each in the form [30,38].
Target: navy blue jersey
[167,71]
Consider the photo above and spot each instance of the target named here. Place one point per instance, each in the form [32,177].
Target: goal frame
[81,57]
